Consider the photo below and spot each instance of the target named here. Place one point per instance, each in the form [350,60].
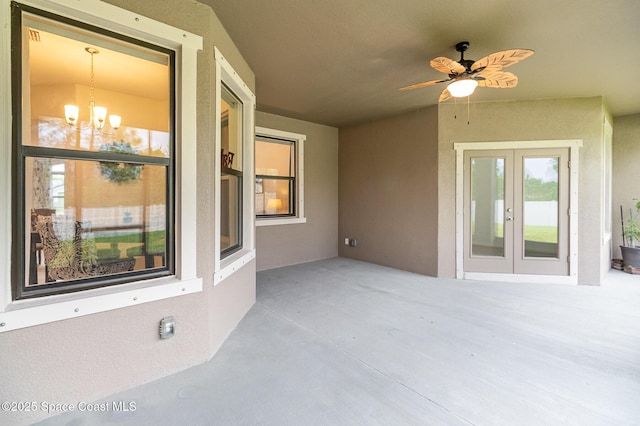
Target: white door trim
[574,146]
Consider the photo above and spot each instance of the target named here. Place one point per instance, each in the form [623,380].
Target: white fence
[536,213]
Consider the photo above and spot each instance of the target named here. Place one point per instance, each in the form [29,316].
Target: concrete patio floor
[342,342]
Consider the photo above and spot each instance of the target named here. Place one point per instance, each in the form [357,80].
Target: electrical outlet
[167,327]
[353,242]
[346,241]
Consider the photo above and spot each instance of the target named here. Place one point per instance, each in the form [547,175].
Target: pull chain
[455,109]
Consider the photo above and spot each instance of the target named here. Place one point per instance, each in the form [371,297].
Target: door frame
[574,146]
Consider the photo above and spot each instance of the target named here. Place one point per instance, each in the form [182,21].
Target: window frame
[298,196]
[23,151]
[290,179]
[226,173]
[17,314]
[225,264]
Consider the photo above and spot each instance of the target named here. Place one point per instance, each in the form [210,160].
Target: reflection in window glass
[57,185]
[102,228]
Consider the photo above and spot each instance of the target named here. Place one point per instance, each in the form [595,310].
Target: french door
[516,211]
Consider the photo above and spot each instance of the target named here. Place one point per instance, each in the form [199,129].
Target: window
[279,191]
[34,145]
[231,173]
[275,177]
[234,178]
[94,155]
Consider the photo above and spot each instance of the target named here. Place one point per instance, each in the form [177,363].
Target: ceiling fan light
[462,88]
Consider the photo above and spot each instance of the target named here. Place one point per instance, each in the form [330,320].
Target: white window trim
[29,312]
[574,146]
[299,141]
[607,178]
[223,268]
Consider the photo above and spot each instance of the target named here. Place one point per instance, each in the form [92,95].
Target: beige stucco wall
[388,168]
[90,357]
[388,191]
[580,118]
[282,245]
[626,171]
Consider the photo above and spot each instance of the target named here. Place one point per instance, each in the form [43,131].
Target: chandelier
[97,114]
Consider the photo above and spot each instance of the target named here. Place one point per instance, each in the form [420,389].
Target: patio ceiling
[341,62]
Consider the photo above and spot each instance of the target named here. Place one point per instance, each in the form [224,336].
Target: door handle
[509,210]
[509,218]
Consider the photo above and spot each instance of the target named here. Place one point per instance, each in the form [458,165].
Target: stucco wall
[282,245]
[626,171]
[90,357]
[580,118]
[382,191]
[388,191]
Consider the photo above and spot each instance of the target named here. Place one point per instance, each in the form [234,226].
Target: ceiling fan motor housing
[462,47]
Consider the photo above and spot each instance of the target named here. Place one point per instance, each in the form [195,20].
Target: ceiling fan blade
[498,79]
[501,59]
[447,66]
[445,95]
[423,84]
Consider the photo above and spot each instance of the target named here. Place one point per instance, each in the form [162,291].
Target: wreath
[120,172]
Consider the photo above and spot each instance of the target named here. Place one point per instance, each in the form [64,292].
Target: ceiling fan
[465,75]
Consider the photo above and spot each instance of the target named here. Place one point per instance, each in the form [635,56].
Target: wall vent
[34,35]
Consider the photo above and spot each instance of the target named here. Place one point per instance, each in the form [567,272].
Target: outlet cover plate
[167,327]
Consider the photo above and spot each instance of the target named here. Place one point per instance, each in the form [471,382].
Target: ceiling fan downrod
[462,47]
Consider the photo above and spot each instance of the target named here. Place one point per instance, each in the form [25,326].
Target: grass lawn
[543,234]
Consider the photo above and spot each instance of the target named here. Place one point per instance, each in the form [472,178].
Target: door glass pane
[487,206]
[540,207]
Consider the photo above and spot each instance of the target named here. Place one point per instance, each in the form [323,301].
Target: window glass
[487,207]
[69,66]
[94,157]
[541,203]
[231,173]
[275,177]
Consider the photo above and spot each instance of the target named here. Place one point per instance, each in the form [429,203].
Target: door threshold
[521,278]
